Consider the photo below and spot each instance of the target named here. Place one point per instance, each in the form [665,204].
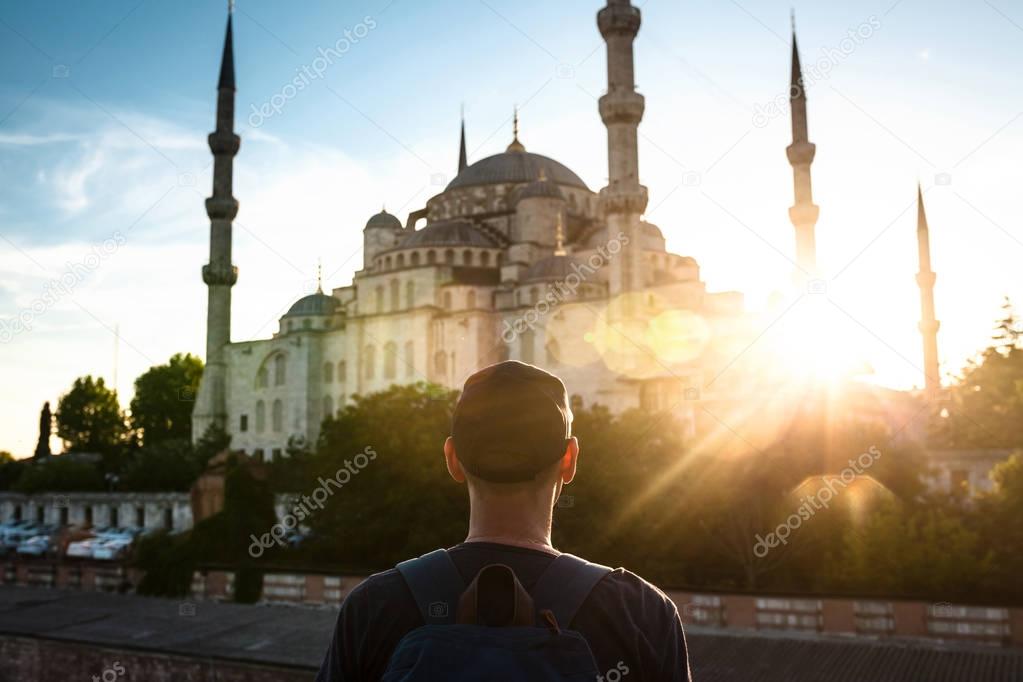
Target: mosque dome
[383,220]
[556,267]
[448,233]
[313,304]
[541,188]
[515,167]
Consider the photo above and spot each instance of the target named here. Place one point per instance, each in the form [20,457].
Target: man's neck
[508,521]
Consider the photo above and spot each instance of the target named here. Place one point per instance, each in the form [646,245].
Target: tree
[59,474]
[89,418]
[45,430]
[164,396]
[986,406]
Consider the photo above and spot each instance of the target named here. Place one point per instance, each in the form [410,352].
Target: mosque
[516,258]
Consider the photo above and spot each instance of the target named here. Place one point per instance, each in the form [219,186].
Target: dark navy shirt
[629,624]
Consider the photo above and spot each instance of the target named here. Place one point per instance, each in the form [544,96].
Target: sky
[105,108]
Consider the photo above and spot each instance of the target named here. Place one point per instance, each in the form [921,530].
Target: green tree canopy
[986,407]
[164,396]
[89,417]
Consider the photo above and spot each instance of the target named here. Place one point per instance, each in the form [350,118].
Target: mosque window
[534,295]
[277,417]
[342,371]
[260,416]
[467,257]
[328,372]
[410,354]
[380,299]
[307,323]
[431,257]
[328,406]
[470,300]
[400,260]
[415,258]
[440,364]
[280,369]
[447,300]
[526,347]
[243,423]
[449,257]
[262,378]
[387,262]
[410,294]
[369,360]
[553,352]
[484,259]
[390,359]
[395,294]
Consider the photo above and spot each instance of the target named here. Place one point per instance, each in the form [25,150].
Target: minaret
[621,109]
[925,280]
[463,159]
[219,275]
[803,212]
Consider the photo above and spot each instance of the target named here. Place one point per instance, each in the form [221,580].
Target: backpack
[513,637]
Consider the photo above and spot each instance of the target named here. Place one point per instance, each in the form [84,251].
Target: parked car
[18,534]
[37,545]
[81,549]
[115,543]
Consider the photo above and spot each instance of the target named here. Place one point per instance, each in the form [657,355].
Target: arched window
[280,370]
[342,371]
[387,263]
[368,362]
[400,260]
[415,258]
[328,372]
[526,346]
[470,300]
[262,378]
[484,259]
[260,416]
[534,295]
[395,294]
[449,257]
[380,299]
[431,257]
[553,352]
[410,294]
[277,419]
[440,364]
[410,356]
[328,406]
[467,257]
[390,359]
[447,300]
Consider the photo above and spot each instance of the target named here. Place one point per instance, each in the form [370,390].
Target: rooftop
[297,637]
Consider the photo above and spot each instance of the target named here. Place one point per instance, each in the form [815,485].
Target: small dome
[515,167]
[313,304]
[383,220]
[455,233]
[542,188]
[550,268]
[652,230]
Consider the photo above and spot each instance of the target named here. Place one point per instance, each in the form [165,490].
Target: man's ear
[569,460]
[454,466]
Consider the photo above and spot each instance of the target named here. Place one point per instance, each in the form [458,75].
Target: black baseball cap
[511,422]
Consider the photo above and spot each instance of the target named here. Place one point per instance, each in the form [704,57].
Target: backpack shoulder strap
[564,586]
[436,585]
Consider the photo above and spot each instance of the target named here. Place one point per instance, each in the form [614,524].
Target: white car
[82,549]
[114,543]
[38,545]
